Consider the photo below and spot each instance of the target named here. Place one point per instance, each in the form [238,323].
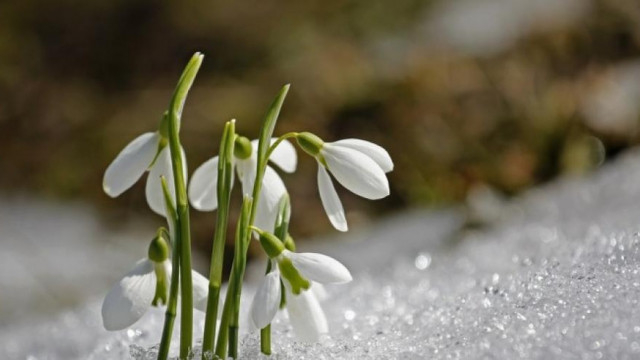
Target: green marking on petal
[160,297]
[289,272]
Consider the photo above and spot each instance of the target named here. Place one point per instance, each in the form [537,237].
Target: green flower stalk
[228,325]
[172,303]
[281,227]
[182,204]
[228,334]
[225,176]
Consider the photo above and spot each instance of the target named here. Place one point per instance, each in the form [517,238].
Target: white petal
[247,173]
[306,316]
[319,291]
[168,271]
[272,191]
[266,301]
[356,171]
[376,152]
[284,156]
[330,200]
[130,298]
[200,286]
[130,164]
[162,167]
[203,191]
[200,291]
[320,268]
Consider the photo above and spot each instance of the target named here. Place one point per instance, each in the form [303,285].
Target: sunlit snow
[558,277]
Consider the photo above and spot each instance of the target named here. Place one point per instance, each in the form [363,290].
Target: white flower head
[300,273]
[145,285]
[147,152]
[266,300]
[203,186]
[306,316]
[359,165]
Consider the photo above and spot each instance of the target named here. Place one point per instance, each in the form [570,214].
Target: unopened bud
[289,244]
[159,247]
[310,143]
[271,244]
[242,148]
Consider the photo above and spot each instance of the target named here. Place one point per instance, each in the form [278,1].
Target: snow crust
[557,277]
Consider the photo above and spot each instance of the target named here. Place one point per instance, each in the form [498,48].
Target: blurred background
[466,95]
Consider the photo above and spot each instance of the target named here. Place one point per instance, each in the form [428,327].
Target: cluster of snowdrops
[292,280]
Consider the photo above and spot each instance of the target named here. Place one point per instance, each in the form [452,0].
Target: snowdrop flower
[148,152]
[298,272]
[145,285]
[203,186]
[358,165]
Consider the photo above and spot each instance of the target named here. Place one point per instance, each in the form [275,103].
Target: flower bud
[159,247]
[271,244]
[289,244]
[310,143]
[242,148]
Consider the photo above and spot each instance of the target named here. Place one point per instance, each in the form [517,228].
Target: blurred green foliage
[80,79]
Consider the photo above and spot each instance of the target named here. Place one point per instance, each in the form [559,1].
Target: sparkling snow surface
[558,277]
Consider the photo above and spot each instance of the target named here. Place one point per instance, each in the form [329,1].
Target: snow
[556,277]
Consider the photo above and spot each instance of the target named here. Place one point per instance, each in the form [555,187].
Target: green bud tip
[289,244]
[270,243]
[159,248]
[310,143]
[242,148]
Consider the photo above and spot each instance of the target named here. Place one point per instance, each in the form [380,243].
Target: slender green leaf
[184,84]
[269,124]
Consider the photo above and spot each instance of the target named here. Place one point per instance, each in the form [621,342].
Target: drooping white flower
[145,153]
[359,165]
[266,300]
[131,297]
[203,186]
[305,313]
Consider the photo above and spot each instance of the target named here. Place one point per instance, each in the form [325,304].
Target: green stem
[183,223]
[242,244]
[265,333]
[223,333]
[225,176]
[281,228]
[266,132]
[279,140]
[228,334]
[265,340]
[172,302]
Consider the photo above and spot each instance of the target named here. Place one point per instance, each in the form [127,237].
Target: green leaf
[281,227]
[184,84]
[269,124]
